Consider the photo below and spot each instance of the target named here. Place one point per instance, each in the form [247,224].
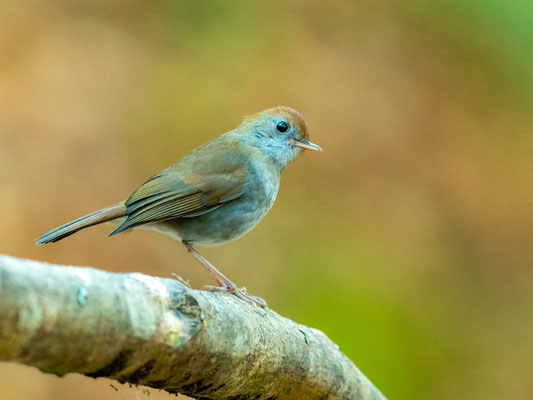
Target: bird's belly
[228,222]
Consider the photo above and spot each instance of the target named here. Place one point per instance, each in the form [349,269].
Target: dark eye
[282,126]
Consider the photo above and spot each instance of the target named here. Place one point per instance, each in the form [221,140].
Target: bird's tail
[97,217]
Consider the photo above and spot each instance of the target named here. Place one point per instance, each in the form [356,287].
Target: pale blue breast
[233,219]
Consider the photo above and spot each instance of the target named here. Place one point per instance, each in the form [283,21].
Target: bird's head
[279,132]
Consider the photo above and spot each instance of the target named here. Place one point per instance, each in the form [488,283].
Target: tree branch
[159,333]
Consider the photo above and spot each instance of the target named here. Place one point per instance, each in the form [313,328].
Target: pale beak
[305,145]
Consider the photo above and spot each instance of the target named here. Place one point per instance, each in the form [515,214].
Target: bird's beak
[305,145]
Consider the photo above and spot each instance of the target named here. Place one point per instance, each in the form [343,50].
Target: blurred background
[408,241]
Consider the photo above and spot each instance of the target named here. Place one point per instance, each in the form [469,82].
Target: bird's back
[246,176]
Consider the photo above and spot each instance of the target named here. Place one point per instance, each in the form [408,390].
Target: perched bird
[216,193]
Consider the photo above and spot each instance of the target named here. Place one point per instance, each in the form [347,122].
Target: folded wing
[200,183]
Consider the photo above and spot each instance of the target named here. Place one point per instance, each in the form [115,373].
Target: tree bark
[159,333]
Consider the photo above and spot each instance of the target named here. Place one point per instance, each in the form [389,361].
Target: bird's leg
[224,284]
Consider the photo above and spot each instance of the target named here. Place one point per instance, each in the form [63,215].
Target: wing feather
[194,186]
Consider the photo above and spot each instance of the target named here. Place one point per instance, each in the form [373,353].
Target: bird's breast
[232,219]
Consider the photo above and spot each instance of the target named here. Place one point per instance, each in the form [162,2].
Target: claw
[240,293]
[224,284]
[211,288]
[258,301]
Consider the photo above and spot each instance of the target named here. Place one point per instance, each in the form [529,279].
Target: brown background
[408,241]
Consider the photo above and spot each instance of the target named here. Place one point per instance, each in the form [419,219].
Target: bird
[215,194]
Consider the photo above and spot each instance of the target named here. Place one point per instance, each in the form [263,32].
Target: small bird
[215,194]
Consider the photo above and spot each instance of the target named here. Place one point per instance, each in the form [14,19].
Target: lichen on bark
[159,333]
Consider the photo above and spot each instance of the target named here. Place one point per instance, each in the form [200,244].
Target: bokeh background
[409,241]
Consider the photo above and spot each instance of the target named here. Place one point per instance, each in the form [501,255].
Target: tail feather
[97,217]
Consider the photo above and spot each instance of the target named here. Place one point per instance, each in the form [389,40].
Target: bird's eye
[282,126]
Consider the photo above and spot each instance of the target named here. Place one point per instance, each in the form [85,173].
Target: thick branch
[159,333]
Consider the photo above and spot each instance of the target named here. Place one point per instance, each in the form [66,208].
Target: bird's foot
[240,293]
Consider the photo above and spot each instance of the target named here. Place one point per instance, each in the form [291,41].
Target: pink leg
[224,284]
